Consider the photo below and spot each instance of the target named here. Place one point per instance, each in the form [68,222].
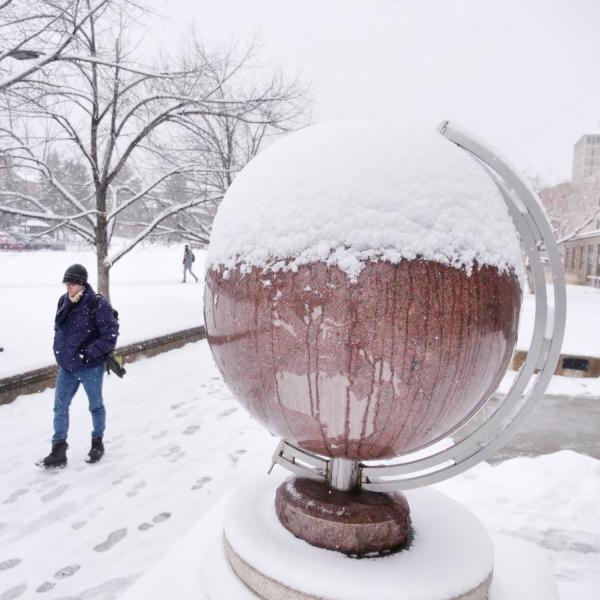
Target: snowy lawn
[146,289]
[176,441]
[583,321]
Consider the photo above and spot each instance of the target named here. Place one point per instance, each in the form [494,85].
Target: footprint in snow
[45,587]
[122,478]
[9,564]
[173,454]
[236,455]
[135,490]
[54,493]
[160,517]
[78,524]
[156,519]
[191,429]
[15,496]
[170,451]
[201,483]
[113,538]
[177,456]
[160,434]
[15,592]
[67,571]
[226,413]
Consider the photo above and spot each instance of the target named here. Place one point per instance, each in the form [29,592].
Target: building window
[589,262]
[580,264]
[572,259]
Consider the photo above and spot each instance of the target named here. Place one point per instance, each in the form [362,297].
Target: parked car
[39,242]
[54,244]
[9,242]
[20,237]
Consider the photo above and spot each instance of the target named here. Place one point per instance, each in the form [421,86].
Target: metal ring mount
[419,468]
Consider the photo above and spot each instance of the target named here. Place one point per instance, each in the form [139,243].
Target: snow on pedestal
[521,570]
[450,557]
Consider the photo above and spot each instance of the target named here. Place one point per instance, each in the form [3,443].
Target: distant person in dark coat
[188,259]
[85,332]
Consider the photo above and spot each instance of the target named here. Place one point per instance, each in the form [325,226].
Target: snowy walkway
[176,442]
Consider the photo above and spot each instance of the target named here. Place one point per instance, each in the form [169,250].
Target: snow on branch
[111,260]
[582,226]
[49,216]
[42,58]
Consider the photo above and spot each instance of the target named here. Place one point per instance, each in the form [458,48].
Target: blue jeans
[187,268]
[67,384]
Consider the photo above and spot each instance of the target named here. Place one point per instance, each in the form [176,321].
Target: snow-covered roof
[35,223]
[349,191]
[584,236]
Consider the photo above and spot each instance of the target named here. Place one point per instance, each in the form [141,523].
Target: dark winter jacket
[83,334]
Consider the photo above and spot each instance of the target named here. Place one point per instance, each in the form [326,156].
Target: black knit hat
[75,274]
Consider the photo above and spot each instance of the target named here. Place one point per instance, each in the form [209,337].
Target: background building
[574,211]
[586,157]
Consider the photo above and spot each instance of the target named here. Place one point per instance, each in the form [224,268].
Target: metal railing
[464,450]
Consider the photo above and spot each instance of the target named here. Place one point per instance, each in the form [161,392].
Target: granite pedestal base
[358,523]
[450,558]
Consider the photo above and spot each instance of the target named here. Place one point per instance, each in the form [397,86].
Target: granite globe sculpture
[362,300]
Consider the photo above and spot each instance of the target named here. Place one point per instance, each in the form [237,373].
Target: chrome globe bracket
[419,469]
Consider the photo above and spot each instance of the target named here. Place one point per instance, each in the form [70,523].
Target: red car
[8,242]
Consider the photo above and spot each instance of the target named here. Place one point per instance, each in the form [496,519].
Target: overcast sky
[522,74]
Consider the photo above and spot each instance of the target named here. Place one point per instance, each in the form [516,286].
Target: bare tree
[572,207]
[109,112]
[225,142]
[36,34]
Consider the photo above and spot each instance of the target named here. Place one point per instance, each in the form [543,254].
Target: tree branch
[110,261]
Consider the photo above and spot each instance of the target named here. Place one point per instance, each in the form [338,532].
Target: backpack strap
[96,302]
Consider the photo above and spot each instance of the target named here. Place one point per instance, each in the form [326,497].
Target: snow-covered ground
[583,321]
[176,442]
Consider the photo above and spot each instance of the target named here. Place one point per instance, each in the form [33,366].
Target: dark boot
[57,457]
[96,451]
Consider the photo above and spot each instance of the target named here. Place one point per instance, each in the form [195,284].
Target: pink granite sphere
[361,295]
[362,370]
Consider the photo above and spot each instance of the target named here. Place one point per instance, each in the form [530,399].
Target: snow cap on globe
[352,191]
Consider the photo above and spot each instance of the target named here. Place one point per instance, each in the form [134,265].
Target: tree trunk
[103,276]
[102,246]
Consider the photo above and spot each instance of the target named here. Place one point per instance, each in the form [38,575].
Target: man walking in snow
[188,259]
[85,332]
